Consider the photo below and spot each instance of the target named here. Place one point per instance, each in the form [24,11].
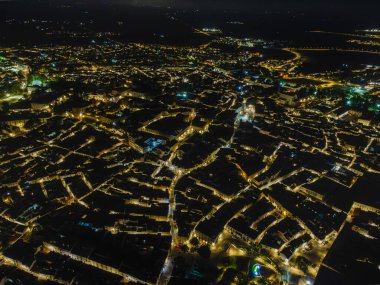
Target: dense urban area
[236,161]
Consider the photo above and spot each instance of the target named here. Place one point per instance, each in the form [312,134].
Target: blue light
[88,225]
[152,143]
[37,82]
[183,95]
[256,270]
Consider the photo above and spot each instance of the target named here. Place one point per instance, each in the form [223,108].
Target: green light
[37,82]
[256,270]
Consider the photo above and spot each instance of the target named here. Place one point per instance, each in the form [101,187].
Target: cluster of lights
[183,95]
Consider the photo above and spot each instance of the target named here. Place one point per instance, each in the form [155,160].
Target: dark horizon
[321,5]
[356,12]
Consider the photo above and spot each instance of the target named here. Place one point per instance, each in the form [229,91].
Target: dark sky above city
[343,4]
[243,4]
[321,7]
[338,7]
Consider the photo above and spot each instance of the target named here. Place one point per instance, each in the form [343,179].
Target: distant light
[182,95]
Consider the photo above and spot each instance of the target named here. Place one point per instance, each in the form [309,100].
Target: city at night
[180,142]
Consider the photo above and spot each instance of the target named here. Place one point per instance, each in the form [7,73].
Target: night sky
[348,8]
[363,5]
[283,4]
